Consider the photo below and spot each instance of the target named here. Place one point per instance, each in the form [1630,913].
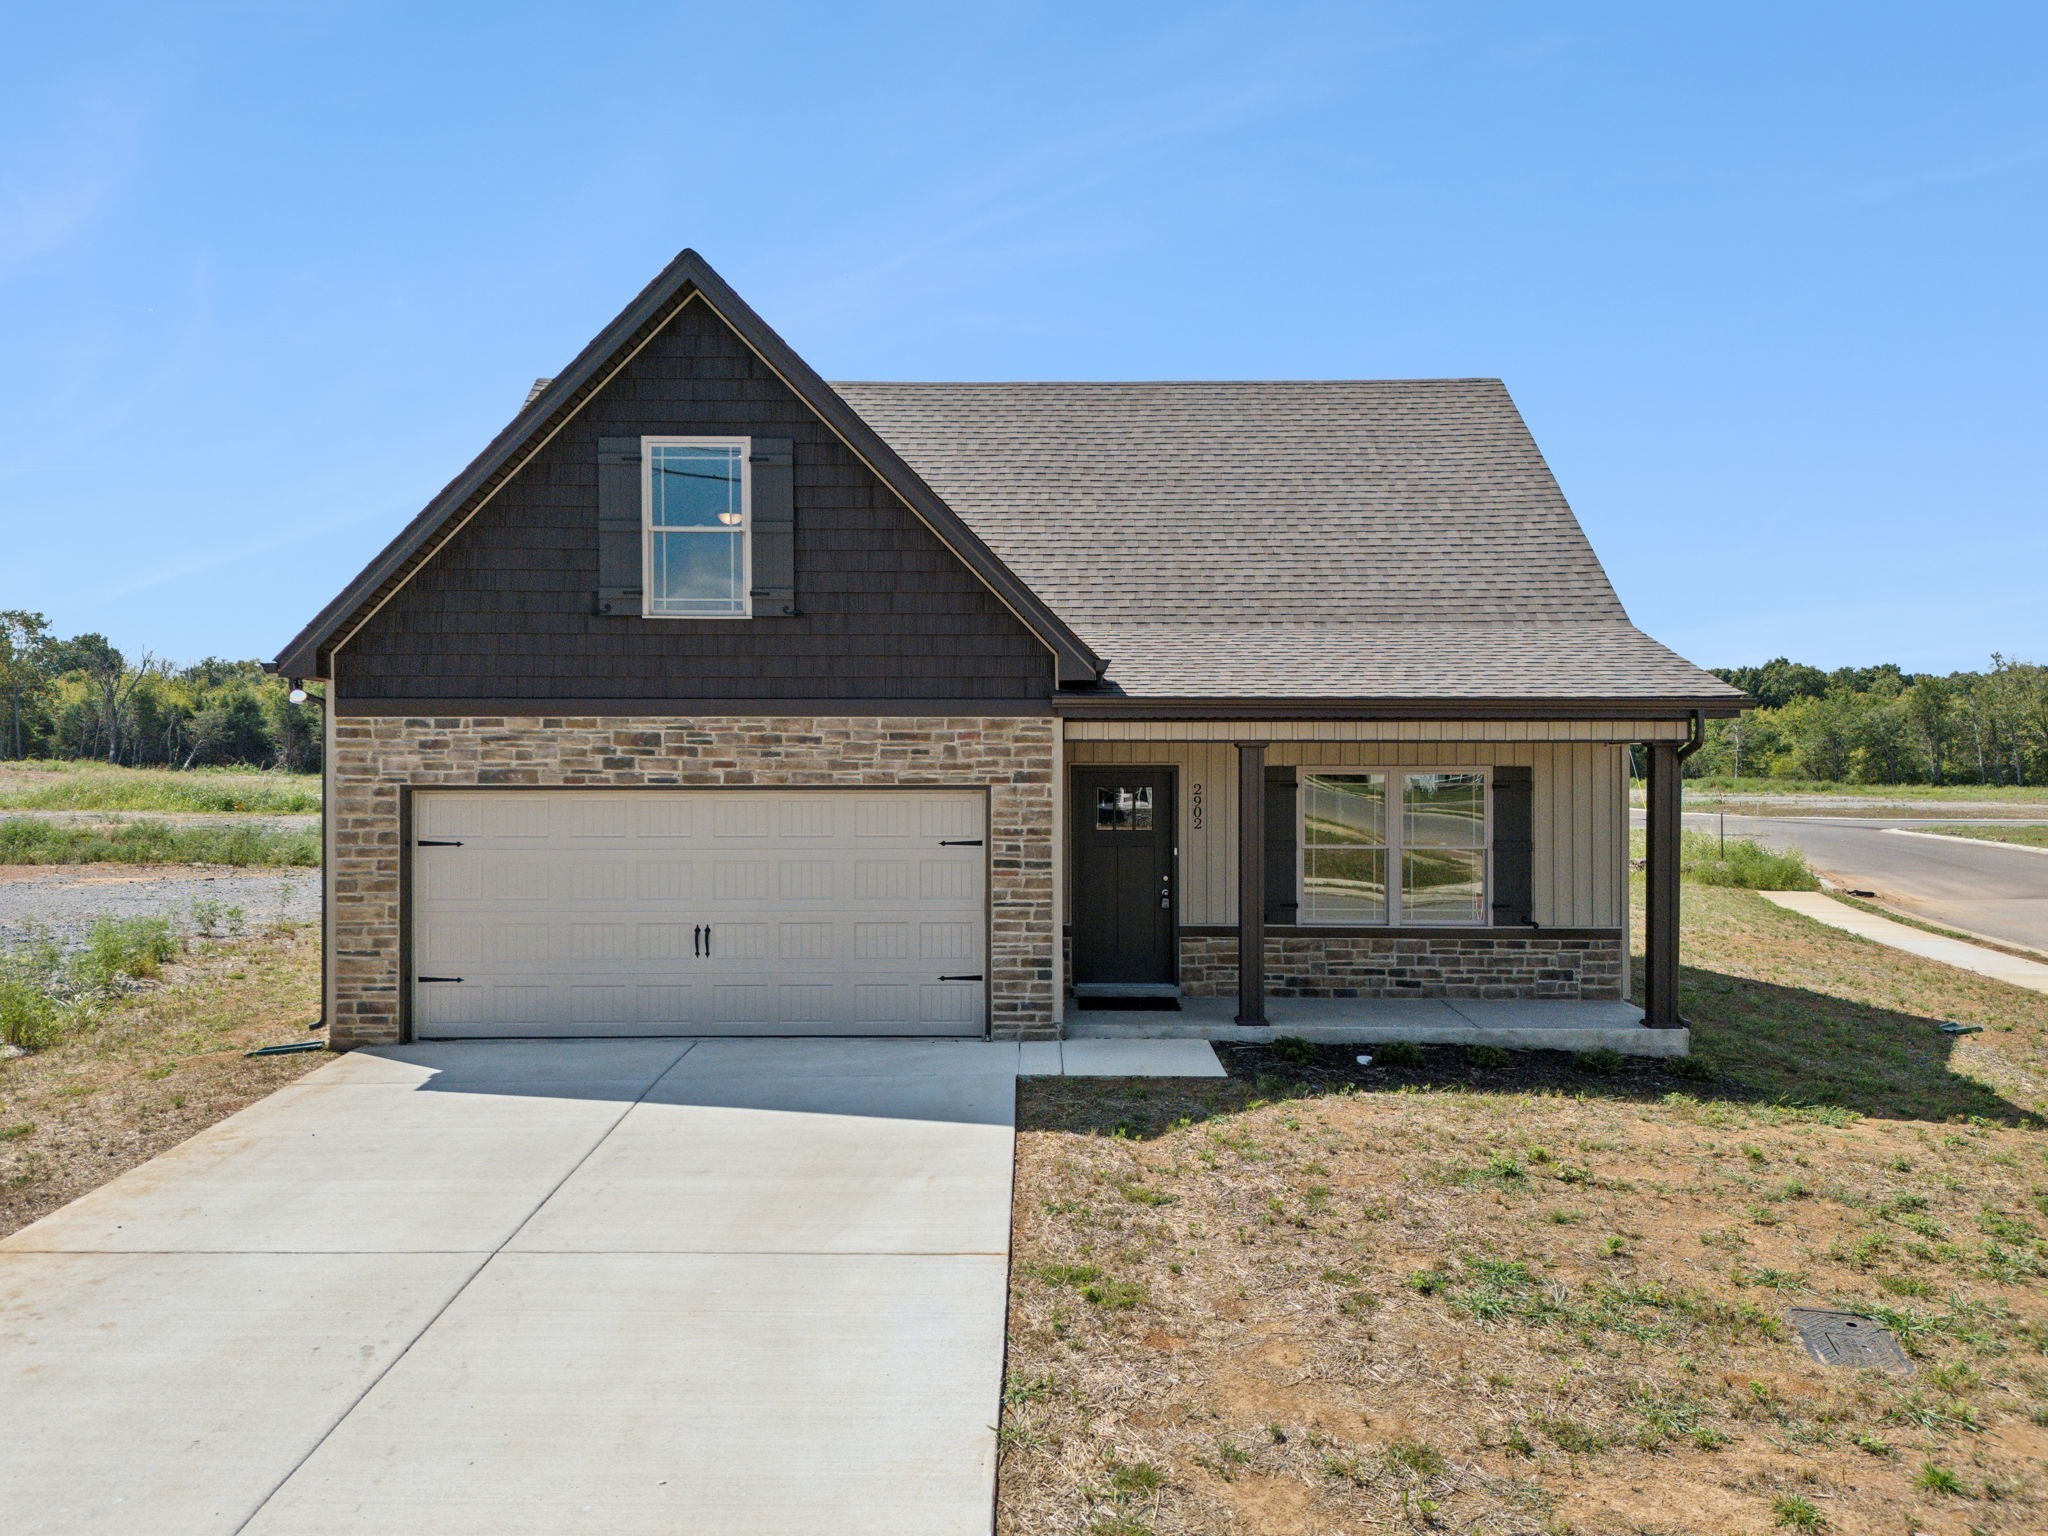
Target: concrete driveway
[512,1287]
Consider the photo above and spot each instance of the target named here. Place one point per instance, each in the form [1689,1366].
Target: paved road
[1986,888]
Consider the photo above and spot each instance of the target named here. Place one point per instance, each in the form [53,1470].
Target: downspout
[1695,738]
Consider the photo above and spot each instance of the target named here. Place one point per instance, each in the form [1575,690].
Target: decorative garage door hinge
[438,842]
[959,842]
[440,978]
[961,978]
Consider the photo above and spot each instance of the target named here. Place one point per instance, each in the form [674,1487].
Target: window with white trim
[1396,847]
[696,499]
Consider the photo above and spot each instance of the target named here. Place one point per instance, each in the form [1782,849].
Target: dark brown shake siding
[505,610]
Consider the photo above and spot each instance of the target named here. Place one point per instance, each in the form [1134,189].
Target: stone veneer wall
[375,756]
[1392,964]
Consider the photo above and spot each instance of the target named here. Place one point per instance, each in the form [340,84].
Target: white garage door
[688,912]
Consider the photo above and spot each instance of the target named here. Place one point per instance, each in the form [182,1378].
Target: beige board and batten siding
[1580,863]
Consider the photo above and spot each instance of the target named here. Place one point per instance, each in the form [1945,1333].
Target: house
[713,698]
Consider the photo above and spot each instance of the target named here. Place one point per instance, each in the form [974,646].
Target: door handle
[707,941]
[697,940]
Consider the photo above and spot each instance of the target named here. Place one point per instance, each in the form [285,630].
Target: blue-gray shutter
[1283,891]
[1514,847]
[619,575]
[773,463]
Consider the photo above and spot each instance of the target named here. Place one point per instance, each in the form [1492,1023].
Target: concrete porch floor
[1517,1025]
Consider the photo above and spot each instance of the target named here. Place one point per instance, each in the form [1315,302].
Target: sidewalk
[1822,908]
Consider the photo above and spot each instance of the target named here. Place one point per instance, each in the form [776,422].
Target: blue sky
[1766,280]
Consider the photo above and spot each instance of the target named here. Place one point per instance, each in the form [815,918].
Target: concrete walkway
[1914,941]
[1533,1025]
[564,1287]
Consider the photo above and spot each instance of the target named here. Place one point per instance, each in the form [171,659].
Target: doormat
[1843,1338]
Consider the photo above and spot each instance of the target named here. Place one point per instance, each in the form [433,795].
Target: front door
[1124,904]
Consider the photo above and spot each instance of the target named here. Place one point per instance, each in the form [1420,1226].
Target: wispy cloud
[48,201]
[1196,84]
[1987,167]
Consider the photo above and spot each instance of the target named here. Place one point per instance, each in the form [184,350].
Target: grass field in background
[40,840]
[46,785]
[1723,787]
[2026,837]
[1457,1296]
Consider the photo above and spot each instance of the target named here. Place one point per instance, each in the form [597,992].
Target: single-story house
[712,698]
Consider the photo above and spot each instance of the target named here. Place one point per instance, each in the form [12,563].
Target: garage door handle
[437,842]
[962,978]
[959,842]
[440,978]
[697,940]
[707,941]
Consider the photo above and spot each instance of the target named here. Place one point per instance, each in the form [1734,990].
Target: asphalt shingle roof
[1345,539]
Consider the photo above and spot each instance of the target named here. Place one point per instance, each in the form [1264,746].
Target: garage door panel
[700,911]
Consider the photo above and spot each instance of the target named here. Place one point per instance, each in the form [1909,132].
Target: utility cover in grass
[1844,1338]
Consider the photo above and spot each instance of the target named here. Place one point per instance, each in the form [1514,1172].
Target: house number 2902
[1195,809]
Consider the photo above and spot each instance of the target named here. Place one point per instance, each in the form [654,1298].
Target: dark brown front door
[1124,902]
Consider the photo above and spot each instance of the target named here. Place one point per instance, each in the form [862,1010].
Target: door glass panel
[1123,810]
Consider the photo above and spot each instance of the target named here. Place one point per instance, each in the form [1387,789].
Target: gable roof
[1382,540]
[552,403]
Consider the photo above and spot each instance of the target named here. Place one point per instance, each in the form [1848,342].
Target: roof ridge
[1267,383]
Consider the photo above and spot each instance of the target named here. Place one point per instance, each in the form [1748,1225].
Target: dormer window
[697,501]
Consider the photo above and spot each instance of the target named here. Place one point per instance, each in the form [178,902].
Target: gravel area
[66,899]
[283,822]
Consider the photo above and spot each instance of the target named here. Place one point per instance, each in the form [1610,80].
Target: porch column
[1660,886]
[1251,882]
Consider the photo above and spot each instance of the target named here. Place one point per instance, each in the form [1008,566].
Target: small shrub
[1489,1056]
[121,949]
[1601,1063]
[1113,1295]
[1294,1050]
[1745,864]
[1129,1478]
[1788,1509]
[1938,1480]
[30,1017]
[1691,1068]
[1571,1436]
[1423,1460]
[1398,1053]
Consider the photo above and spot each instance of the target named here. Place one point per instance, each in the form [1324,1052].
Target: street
[1995,890]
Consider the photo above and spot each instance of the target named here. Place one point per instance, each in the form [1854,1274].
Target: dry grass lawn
[154,1068]
[1547,1296]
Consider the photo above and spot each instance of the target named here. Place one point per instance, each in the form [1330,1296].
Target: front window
[1423,865]
[697,501]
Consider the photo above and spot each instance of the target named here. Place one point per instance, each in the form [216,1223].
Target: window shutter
[1283,894]
[1514,843]
[619,575]
[774,512]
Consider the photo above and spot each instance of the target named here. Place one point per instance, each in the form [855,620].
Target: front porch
[1528,1025]
[1436,881]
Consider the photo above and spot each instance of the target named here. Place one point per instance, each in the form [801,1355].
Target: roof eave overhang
[307,655]
[1660,707]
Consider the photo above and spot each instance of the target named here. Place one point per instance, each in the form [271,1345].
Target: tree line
[82,698]
[1881,725]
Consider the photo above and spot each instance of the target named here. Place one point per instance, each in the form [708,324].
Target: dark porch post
[1660,886]
[1251,882]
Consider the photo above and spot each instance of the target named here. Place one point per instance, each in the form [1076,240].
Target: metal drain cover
[1843,1338]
